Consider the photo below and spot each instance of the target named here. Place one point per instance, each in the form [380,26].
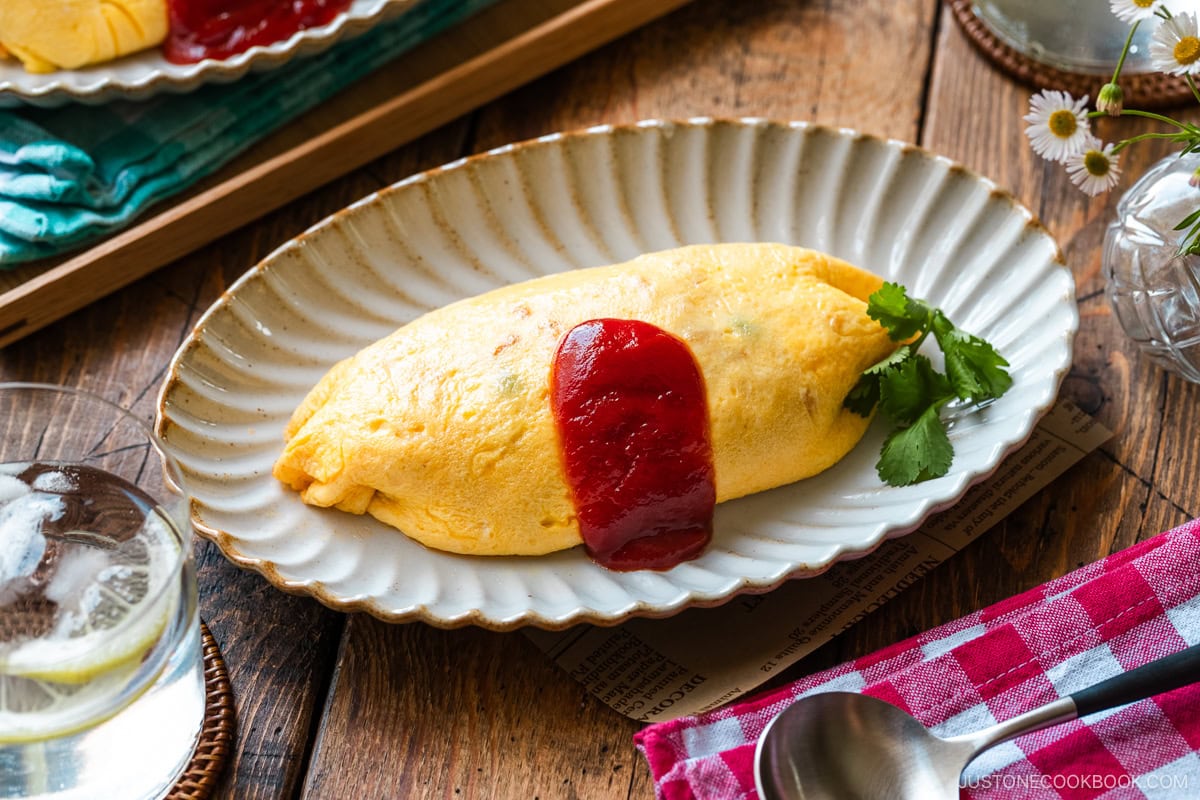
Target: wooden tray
[490,54]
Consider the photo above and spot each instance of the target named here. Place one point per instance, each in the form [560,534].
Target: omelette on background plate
[453,430]
[50,35]
[47,35]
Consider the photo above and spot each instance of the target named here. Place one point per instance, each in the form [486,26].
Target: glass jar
[1154,291]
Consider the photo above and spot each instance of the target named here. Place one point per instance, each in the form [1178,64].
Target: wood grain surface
[346,707]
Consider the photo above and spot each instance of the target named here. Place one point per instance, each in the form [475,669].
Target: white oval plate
[139,75]
[595,197]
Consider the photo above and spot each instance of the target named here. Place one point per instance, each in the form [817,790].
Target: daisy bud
[1194,181]
[1111,100]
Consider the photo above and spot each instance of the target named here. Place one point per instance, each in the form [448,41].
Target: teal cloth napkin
[71,175]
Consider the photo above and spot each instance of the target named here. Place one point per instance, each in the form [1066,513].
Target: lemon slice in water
[113,601]
[115,617]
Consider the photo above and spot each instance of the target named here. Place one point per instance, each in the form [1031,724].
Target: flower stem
[1148,115]
[1125,50]
[1121,145]
[1192,85]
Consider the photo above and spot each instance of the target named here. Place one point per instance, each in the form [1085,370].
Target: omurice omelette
[569,408]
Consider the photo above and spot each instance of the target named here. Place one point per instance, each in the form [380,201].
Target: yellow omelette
[444,428]
[47,35]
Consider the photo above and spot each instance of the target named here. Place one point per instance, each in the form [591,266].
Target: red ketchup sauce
[629,405]
[221,28]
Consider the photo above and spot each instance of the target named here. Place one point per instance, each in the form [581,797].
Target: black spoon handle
[1147,680]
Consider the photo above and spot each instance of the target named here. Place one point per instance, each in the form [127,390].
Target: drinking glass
[101,678]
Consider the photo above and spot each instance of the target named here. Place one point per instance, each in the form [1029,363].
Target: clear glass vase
[1154,291]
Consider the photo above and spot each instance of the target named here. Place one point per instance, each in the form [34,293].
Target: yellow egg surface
[47,35]
[444,428]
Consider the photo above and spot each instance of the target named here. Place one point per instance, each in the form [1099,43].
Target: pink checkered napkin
[1133,607]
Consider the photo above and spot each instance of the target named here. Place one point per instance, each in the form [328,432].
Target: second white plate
[578,200]
[140,75]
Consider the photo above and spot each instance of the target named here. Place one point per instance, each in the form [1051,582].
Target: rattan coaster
[1142,90]
[217,732]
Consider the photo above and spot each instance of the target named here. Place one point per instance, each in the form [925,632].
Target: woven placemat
[1142,90]
[217,732]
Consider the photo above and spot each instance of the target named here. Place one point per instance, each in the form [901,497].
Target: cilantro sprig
[909,390]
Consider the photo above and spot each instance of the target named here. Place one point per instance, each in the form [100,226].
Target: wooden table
[335,706]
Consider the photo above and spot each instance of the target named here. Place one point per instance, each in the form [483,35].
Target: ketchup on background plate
[629,404]
[222,28]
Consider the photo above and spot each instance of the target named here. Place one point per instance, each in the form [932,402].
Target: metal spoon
[853,747]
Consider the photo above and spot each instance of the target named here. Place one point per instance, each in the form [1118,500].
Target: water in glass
[101,684]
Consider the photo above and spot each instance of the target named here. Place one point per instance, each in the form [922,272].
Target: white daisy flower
[1131,10]
[1095,168]
[1175,47]
[1058,124]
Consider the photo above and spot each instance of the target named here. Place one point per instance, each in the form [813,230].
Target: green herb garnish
[909,390]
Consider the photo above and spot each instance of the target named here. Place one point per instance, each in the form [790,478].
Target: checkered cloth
[73,174]
[1133,607]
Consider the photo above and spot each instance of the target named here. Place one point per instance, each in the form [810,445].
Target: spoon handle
[1147,680]
[1157,677]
